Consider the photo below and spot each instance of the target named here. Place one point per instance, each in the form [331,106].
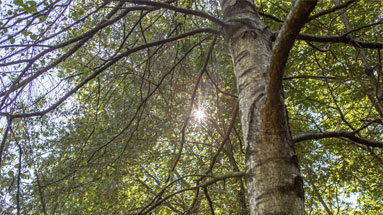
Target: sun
[199,115]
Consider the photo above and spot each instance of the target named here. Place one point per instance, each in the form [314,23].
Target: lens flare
[199,115]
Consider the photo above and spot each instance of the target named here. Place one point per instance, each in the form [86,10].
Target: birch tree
[170,107]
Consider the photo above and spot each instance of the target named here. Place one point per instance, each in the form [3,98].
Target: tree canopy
[131,107]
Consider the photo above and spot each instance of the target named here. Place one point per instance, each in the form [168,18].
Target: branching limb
[205,184]
[103,68]
[317,15]
[324,12]
[226,138]
[178,9]
[283,44]
[203,70]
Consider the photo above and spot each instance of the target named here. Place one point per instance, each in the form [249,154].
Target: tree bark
[273,179]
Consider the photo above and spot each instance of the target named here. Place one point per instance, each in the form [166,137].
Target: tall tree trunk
[272,174]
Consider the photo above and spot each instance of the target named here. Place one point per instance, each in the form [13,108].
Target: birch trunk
[273,179]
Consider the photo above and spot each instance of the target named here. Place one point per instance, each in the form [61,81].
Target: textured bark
[272,174]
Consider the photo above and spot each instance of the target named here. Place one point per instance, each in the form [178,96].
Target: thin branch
[205,184]
[5,136]
[270,17]
[324,12]
[360,28]
[308,77]
[342,116]
[209,200]
[18,172]
[178,9]
[317,48]
[226,138]
[217,87]
[41,192]
[338,39]
[349,135]
[203,70]
[316,191]
[100,70]
[19,179]
[82,39]
[368,124]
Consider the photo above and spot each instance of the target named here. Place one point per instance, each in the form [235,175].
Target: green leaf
[82,180]
[31,3]
[10,173]
[12,40]
[30,9]
[33,36]
[25,33]
[18,2]
[42,18]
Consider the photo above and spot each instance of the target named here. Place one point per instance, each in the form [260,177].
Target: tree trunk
[272,175]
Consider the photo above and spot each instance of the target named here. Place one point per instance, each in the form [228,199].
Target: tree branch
[319,14]
[226,138]
[349,135]
[178,9]
[315,189]
[209,200]
[81,40]
[270,17]
[100,70]
[339,39]
[338,7]
[205,184]
[283,44]
[309,77]
[5,135]
[203,70]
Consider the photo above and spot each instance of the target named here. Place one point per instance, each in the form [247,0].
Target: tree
[104,104]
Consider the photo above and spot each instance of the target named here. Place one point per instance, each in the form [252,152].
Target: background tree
[130,107]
